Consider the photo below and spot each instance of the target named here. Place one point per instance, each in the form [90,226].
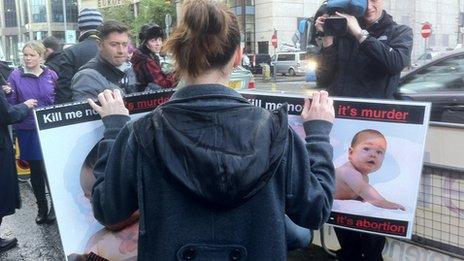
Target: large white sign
[69,135]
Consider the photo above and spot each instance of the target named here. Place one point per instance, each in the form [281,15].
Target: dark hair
[52,42]
[150,31]
[205,39]
[369,131]
[112,26]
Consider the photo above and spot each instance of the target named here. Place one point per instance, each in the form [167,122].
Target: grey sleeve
[114,196]
[310,175]
[87,83]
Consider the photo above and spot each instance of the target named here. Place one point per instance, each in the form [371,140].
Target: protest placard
[69,136]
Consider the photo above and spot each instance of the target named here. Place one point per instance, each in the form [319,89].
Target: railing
[439,219]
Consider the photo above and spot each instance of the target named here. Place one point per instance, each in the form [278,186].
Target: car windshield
[444,75]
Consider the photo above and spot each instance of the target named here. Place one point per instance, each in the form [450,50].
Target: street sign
[70,36]
[274,40]
[426,30]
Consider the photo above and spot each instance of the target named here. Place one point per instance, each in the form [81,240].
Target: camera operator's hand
[319,24]
[353,26]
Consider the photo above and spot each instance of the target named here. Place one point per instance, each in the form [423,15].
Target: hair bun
[198,23]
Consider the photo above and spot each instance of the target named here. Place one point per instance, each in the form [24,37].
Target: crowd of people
[50,74]
[241,195]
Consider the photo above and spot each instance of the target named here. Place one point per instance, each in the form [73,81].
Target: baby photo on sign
[377,172]
[378,165]
[365,156]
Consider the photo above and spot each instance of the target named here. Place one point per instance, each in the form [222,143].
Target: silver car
[291,63]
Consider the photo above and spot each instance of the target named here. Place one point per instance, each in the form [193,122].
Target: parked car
[241,78]
[441,82]
[291,63]
[424,58]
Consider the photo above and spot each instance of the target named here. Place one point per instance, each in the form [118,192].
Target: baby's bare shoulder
[346,171]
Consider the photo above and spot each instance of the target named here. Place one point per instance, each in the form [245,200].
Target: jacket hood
[216,146]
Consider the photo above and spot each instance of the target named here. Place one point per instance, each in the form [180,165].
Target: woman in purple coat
[33,81]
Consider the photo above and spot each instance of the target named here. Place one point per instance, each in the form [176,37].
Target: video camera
[337,26]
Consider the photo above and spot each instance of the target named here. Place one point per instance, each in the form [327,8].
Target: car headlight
[312,65]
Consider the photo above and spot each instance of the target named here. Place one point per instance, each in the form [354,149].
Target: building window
[71,11]
[38,11]
[25,12]
[57,11]
[10,13]
[263,47]
[40,35]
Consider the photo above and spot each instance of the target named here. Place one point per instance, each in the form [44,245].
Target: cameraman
[368,60]
[365,63]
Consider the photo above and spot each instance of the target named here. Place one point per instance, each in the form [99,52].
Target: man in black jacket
[109,69]
[52,53]
[365,63]
[75,56]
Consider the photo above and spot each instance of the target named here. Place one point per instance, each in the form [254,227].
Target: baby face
[368,153]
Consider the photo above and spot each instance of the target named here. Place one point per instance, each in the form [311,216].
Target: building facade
[266,17]
[25,20]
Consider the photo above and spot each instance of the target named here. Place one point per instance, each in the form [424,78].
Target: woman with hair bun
[212,176]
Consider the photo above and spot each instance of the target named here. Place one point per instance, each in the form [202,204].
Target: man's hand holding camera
[327,40]
[351,24]
[353,27]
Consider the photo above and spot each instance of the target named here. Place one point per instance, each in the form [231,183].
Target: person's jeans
[297,237]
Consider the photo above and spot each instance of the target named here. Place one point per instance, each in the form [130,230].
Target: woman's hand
[7,89]
[111,103]
[31,103]
[320,108]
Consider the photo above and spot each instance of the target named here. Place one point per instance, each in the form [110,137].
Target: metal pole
[244,22]
[64,20]
[274,77]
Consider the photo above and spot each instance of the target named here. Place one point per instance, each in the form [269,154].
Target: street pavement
[285,84]
[35,242]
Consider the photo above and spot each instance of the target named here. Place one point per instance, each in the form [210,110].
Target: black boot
[43,213]
[6,244]
[51,215]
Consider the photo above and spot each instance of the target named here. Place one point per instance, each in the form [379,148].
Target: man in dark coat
[52,53]
[9,190]
[365,63]
[75,56]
